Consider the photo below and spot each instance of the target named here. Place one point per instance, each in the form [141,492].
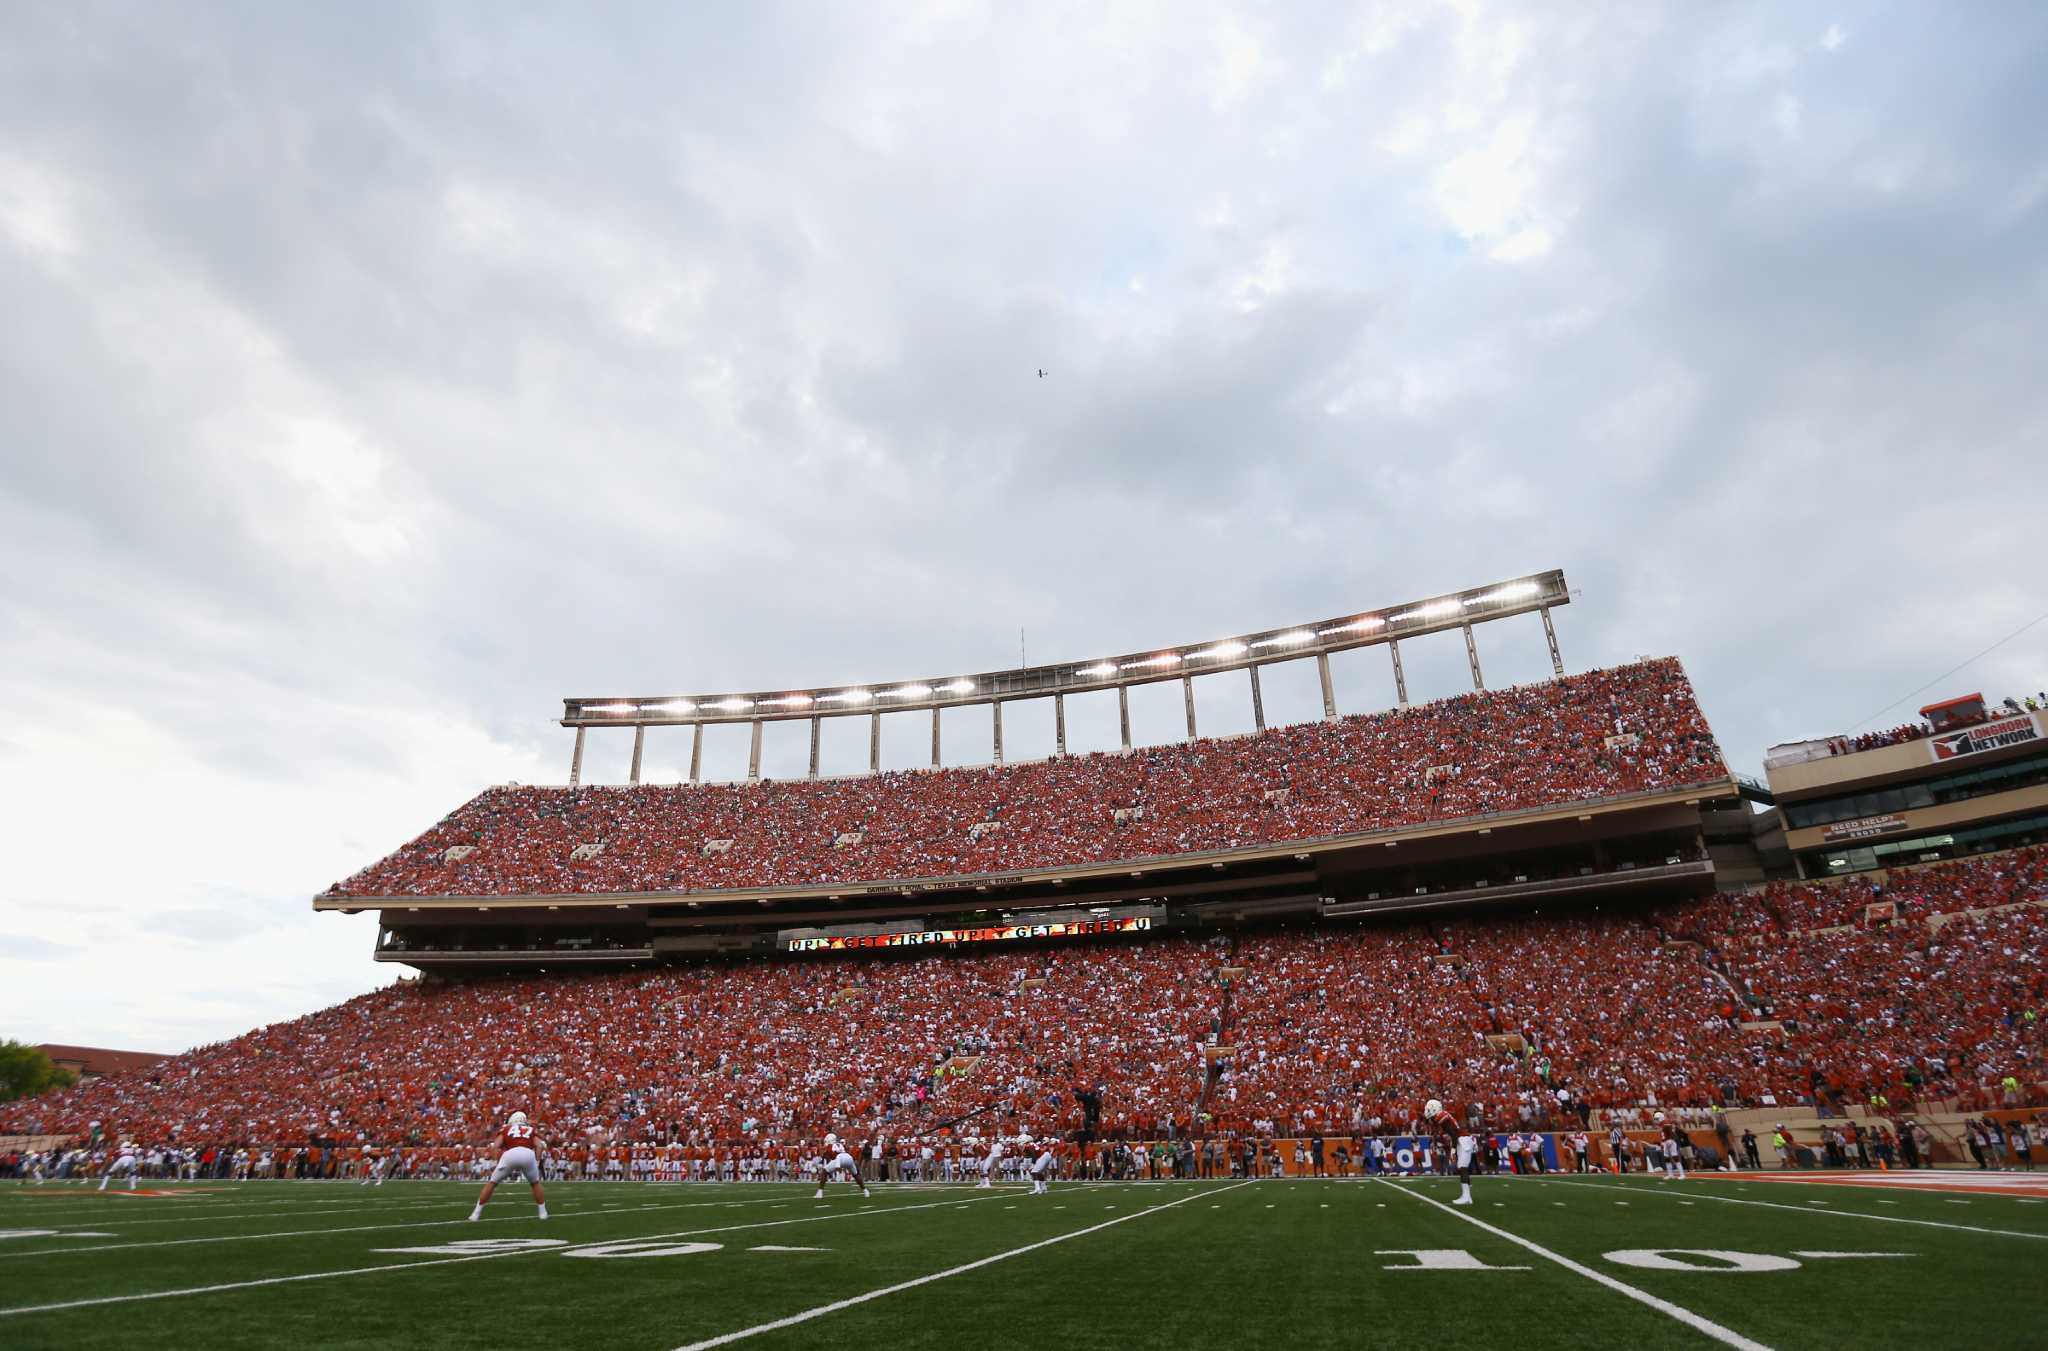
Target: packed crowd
[1921,982]
[1737,1000]
[1920,731]
[1596,735]
[1870,741]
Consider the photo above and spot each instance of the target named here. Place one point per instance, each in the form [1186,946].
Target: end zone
[2030,1185]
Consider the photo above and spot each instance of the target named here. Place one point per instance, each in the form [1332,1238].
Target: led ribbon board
[998,933]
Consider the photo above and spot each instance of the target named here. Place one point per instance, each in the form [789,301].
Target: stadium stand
[1819,994]
[1601,734]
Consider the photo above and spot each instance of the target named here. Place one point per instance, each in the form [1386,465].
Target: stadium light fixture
[908,692]
[1223,651]
[1512,591]
[615,709]
[1355,626]
[670,706]
[1294,639]
[846,697]
[790,701]
[1098,670]
[1436,609]
[961,686]
[1146,663]
[733,704]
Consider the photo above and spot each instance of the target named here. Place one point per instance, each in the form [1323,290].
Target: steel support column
[1550,632]
[1059,722]
[576,759]
[996,705]
[1329,690]
[1472,655]
[696,752]
[1400,681]
[817,730]
[639,744]
[874,743]
[1258,701]
[1187,695]
[1123,713]
[935,738]
[754,753]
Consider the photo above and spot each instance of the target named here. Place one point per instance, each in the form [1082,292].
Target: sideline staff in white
[516,1146]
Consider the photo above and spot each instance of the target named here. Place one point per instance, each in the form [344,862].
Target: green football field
[1563,1262]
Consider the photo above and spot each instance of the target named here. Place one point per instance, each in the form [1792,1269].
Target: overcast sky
[373,377]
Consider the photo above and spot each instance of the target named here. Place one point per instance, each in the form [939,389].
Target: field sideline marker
[440,1262]
[1846,1214]
[1663,1306]
[807,1315]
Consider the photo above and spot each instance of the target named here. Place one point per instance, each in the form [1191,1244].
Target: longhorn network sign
[908,938]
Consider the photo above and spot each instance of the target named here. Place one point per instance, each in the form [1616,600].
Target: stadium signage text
[1989,736]
[991,934]
[1862,828]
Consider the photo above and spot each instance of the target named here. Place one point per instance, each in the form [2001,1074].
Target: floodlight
[733,704]
[1293,639]
[1222,651]
[1099,669]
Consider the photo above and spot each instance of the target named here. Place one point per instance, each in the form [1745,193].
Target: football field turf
[1559,1262]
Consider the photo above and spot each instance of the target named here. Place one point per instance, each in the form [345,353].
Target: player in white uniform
[838,1162]
[128,1161]
[516,1158]
[991,1162]
[1674,1167]
[1042,1169]
[1466,1145]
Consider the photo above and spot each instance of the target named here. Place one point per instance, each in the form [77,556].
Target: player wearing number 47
[516,1157]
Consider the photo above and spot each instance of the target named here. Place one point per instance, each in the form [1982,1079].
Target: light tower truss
[1388,626]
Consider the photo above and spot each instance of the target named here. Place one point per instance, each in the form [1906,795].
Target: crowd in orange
[1588,736]
[1331,1031]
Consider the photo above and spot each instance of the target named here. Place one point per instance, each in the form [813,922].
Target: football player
[838,1162]
[1042,1169]
[517,1155]
[127,1161]
[1674,1167]
[1461,1145]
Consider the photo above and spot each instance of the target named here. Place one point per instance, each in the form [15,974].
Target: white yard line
[197,1217]
[520,1213]
[1696,1322]
[821,1310]
[1705,1195]
[446,1261]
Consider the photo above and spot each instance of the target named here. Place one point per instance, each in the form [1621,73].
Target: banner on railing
[1985,736]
